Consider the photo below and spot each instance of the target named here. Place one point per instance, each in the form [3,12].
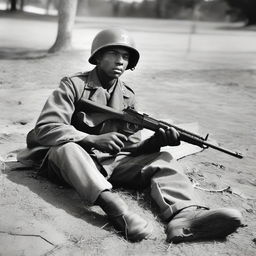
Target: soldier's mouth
[117,70]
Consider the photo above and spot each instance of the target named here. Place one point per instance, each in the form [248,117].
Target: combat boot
[129,224]
[193,224]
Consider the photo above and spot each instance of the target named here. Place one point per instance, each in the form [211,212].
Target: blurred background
[206,10]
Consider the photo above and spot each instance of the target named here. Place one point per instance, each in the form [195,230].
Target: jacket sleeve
[53,126]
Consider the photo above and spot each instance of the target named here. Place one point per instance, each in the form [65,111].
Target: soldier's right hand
[109,142]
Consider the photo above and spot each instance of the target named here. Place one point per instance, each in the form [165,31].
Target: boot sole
[215,225]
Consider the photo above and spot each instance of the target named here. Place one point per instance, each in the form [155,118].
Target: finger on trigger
[114,147]
[121,136]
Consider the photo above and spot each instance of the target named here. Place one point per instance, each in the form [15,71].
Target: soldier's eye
[126,56]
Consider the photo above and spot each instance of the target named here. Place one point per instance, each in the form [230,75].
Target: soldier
[93,156]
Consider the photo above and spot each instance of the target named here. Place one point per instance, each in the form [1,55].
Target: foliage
[244,8]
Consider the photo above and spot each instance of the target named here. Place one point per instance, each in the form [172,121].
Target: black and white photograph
[127,127]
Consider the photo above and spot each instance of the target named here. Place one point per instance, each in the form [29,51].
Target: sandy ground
[211,81]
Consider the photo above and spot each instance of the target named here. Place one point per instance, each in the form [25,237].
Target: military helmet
[114,37]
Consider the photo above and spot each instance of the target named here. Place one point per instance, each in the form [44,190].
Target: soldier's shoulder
[128,88]
[80,75]
[77,79]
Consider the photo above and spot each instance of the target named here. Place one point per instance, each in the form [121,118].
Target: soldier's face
[113,61]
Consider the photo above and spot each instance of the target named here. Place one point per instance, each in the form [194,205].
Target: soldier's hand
[168,137]
[109,142]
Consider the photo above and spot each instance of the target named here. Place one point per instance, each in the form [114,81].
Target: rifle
[137,121]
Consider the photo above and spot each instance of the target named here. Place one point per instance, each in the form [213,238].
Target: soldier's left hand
[168,137]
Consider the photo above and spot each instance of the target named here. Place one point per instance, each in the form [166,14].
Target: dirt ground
[208,77]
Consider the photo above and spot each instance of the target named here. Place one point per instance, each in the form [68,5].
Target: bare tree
[66,19]
[13,5]
[48,5]
[115,7]
[161,8]
[22,3]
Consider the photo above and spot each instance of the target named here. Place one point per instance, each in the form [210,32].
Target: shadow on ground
[61,197]
[65,198]
[22,53]
[239,27]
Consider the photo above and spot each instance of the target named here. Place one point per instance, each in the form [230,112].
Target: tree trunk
[47,6]
[250,14]
[13,5]
[66,20]
[251,20]
[161,9]
[21,5]
[115,7]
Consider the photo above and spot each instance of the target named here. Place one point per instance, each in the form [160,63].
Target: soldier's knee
[63,151]
[70,146]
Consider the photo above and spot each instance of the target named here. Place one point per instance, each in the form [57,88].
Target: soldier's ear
[98,57]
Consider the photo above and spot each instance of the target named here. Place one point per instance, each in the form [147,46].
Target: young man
[92,156]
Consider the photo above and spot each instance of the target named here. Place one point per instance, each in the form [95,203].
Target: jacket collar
[93,82]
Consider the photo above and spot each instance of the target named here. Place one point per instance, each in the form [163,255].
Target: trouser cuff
[171,211]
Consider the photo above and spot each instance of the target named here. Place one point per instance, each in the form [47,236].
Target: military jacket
[58,122]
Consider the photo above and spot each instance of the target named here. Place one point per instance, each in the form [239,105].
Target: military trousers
[169,187]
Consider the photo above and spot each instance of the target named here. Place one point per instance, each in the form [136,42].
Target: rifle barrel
[204,144]
[227,151]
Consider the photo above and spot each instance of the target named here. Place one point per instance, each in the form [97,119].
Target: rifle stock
[145,121]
